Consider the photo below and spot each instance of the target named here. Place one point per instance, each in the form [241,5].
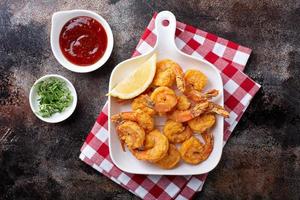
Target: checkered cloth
[230,58]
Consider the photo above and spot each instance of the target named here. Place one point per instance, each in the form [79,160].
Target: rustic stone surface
[40,161]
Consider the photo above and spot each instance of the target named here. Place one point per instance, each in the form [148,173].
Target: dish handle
[165,27]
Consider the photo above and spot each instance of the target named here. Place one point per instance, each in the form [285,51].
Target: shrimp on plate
[131,134]
[195,82]
[164,99]
[202,123]
[194,79]
[144,103]
[157,147]
[194,152]
[168,72]
[176,132]
[143,119]
[170,160]
[183,103]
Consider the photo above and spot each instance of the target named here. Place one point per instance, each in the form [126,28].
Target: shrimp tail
[116,118]
[197,96]
[199,108]
[121,141]
[186,115]
[215,108]
[150,103]
[211,93]
[119,118]
[208,146]
[122,145]
[180,82]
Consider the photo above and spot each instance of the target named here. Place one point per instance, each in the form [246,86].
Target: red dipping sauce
[83,41]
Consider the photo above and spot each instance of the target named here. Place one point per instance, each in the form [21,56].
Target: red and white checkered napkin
[230,58]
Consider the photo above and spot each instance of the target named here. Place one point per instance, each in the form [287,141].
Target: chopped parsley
[54,96]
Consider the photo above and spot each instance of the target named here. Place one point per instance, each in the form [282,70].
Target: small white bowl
[59,19]
[56,117]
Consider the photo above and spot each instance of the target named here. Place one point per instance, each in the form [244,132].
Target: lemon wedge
[137,82]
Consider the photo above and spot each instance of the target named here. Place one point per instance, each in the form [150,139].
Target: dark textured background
[40,161]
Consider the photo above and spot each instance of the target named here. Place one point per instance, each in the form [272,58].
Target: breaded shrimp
[159,149]
[176,132]
[202,123]
[168,72]
[144,103]
[170,160]
[142,118]
[194,152]
[164,99]
[131,134]
[195,79]
[183,103]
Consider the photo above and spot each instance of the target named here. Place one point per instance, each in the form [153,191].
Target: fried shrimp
[164,74]
[131,134]
[171,159]
[198,96]
[194,152]
[168,72]
[195,79]
[144,103]
[157,149]
[186,115]
[183,103]
[164,99]
[143,119]
[176,132]
[215,108]
[202,123]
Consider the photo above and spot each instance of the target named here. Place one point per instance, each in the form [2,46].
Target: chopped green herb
[54,96]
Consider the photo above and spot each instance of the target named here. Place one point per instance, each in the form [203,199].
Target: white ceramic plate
[57,117]
[166,48]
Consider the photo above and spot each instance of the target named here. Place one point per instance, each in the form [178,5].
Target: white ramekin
[59,19]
